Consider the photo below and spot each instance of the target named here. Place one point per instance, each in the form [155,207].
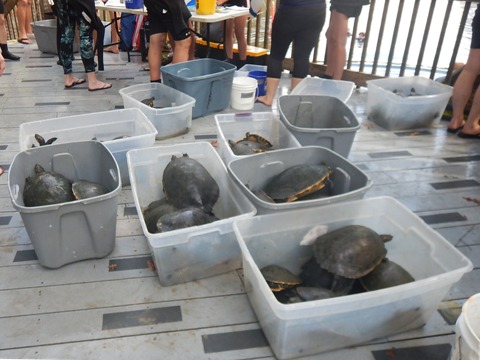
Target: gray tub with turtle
[294,178]
[67,196]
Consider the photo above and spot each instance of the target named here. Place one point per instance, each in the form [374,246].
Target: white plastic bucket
[467,329]
[243,93]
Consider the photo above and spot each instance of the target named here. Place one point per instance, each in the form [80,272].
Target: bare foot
[98,85]
[112,49]
[263,100]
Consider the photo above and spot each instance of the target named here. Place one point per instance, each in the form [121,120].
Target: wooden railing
[403,37]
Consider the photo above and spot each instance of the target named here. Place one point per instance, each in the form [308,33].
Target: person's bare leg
[272,86]
[472,126]
[240,36]
[24,16]
[229,39]
[336,41]
[3,41]
[181,50]
[191,51]
[295,82]
[157,42]
[115,37]
[94,83]
[463,89]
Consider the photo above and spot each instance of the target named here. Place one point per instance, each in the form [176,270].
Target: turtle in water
[250,144]
[148,101]
[46,188]
[84,189]
[385,275]
[350,252]
[183,218]
[186,182]
[297,181]
[41,141]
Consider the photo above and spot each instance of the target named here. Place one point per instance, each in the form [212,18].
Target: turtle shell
[46,188]
[352,251]
[148,101]
[258,139]
[385,275]
[154,211]
[84,189]
[245,147]
[186,182]
[183,218]
[297,181]
[279,278]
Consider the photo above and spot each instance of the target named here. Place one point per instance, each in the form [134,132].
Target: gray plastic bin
[70,231]
[319,120]
[253,172]
[46,36]
[209,81]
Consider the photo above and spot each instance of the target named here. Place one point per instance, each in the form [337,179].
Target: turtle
[186,182]
[41,141]
[309,293]
[46,188]
[350,252]
[84,189]
[297,181]
[183,218]
[385,275]
[148,101]
[279,278]
[154,211]
[250,144]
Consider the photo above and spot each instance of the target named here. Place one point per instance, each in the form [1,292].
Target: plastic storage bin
[340,89]
[209,81]
[245,69]
[253,172]
[172,114]
[312,327]
[118,130]
[266,124]
[319,120]
[395,112]
[45,32]
[199,251]
[71,231]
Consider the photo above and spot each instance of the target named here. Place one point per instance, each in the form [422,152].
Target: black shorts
[167,16]
[476,29]
[350,9]
[2,9]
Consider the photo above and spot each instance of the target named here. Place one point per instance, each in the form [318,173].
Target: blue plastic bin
[209,81]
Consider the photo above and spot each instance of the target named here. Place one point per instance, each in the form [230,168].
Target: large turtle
[84,189]
[250,144]
[183,218]
[186,182]
[350,252]
[46,188]
[297,182]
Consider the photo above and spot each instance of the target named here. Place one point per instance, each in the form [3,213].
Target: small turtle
[41,141]
[183,218]
[154,211]
[307,293]
[350,252]
[250,144]
[297,182]
[148,101]
[278,278]
[46,188]
[186,182]
[84,189]
[385,275]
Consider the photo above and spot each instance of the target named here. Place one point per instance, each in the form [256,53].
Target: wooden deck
[87,310]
